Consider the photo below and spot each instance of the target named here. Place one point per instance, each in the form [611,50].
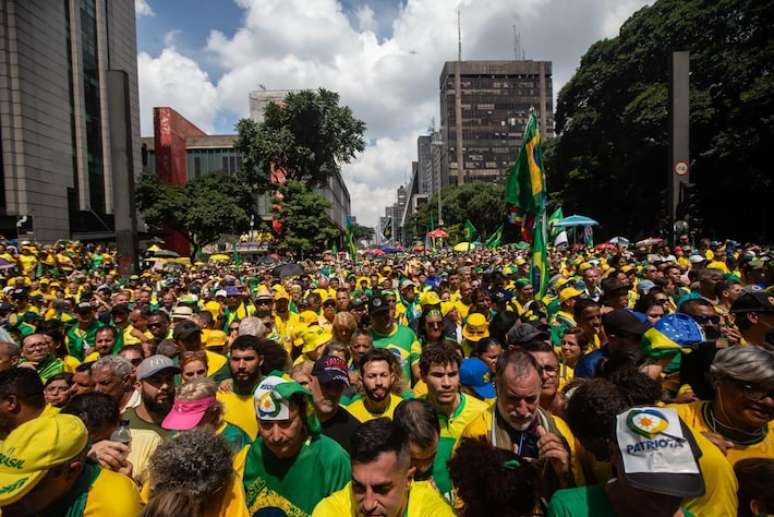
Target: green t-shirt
[296,485]
[403,343]
[235,437]
[584,501]
[76,339]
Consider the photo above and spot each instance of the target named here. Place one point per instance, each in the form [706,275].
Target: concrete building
[484,109]
[57,159]
[180,152]
[260,99]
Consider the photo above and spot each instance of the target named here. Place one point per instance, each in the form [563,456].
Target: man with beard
[245,365]
[156,377]
[158,325]
[291,467]
[517,423]
[440,367]
[327,384]
[378,375]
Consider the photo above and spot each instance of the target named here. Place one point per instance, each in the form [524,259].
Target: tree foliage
[306,227]
[611,160]
[203,209]
[481,203]
[309,135]
[360,232]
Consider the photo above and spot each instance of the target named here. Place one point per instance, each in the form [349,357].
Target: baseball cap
[658,452]
[330,368]
[612,285]
[568,293]
[272,398]
[185,329]
[313,337]
[84,307]
[35,447]
[696,259]
[475,374]
[406,283]
[623,321]
[755,301]
[220,292]
[186,414]
[523,334]
[261,294]
[215,338]
[377,305]
[233,291]
[644,286]
[154,364]
[181,312]
[476,327]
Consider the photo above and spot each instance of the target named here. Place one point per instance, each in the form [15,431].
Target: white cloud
[176,81]
[392,83]
[171,37]
[143,8]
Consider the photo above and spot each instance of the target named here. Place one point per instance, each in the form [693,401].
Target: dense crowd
[640,383]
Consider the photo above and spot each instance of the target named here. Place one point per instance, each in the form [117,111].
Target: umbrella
[650,241]
[465,246]
[619,241]
[522,245]
[390,250]
[288,270]
[165,254]
[154,248]
[4,264]
[219,257]
[438,234]
[606,246]
[576,220]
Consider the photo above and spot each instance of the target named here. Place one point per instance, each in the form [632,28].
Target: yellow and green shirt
[403,343]
[358,409]
[240,411]
[423,500]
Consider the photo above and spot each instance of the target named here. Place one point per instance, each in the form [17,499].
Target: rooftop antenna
[518,51]
[262,87]
[459,33]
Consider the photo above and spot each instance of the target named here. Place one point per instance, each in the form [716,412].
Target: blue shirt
[587,364]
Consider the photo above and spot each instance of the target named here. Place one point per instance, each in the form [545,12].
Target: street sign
[681,168]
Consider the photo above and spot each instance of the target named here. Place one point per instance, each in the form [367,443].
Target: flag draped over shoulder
[525,194]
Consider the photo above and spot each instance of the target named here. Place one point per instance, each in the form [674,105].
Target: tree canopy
[610,161]
[203,209]
[306,227]
[481,203]
[309,135]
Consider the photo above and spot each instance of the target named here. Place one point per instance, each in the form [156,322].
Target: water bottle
[122,434]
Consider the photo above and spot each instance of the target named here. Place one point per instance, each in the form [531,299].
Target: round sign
[681,168]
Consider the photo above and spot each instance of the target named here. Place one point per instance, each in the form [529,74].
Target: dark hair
[378,436]
[592,409]
[67,377]
[379,354]
[501,323]
[493,481]
[438,354]
[108,328]
[54,330]
[85,367]
[168,503]
[520,359]
[274,355]
[583,339]
[24,384]
[162,314]
[755,475]
[246,342]
[537,345]
[131,348]
[581,305]
[636,387]
[95,409]
[418,420]
[483,345]
[623,358]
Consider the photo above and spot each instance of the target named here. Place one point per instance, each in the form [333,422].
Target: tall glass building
[55,145]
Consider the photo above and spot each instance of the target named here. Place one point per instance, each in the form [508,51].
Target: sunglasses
[702,320]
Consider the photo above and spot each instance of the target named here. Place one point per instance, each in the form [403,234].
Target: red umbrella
[438,234]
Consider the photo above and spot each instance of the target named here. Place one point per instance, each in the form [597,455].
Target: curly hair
[197,461]
[636,387]
[493,481]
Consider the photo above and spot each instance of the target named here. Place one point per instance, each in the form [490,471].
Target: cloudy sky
[202,58]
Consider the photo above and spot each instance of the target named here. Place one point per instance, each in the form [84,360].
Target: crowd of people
[640,383]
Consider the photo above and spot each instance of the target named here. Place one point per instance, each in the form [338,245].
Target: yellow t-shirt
[423,501]
[240,411]
[691,415]
[112,494]
[27,263]
[144,442]
[215,362]
[358,410]
[71,363]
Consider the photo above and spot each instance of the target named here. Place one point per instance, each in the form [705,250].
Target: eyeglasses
[36,346]
[661,301]
[434,324]
[703,320]
[550,370]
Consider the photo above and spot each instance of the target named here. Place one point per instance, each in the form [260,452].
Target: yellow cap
[308,317]
[446,307]
[314,337]
[429,298]
[583,267]
[215,338]
[35,447]
[476,327]
[281,294]
[569,292]
[562,282]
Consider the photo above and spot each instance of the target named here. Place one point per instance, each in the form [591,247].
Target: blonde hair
[197,389]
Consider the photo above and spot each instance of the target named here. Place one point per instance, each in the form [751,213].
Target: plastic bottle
[122,434]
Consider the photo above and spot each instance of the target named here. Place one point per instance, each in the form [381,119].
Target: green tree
[360,232]
[309,135]
[611,159]
[481,203]
[306,227]
[203,209]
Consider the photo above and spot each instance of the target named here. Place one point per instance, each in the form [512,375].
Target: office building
[58,63]
[484,109]
[180,152]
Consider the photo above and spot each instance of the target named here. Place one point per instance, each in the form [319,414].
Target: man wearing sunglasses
[703,313]
[739,417]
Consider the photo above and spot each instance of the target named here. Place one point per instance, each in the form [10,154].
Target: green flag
[470,231]
[539,262]
[525,187]
[554,218]
[237,257]
[495,239]
[349,233]
[335,247]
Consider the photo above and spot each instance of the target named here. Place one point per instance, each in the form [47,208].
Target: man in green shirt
[82,335]
[291,466]
[156,376]
[400,340]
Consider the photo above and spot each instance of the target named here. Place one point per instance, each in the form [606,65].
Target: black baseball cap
[755,301]
[623,321]
[524,333]
[377,305]
[330,368]
[185,329]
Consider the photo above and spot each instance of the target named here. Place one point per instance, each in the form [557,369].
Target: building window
[91,103]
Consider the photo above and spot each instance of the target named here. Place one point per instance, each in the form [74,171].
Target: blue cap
[474,373]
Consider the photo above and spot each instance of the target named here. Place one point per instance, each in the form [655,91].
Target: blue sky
[203,57]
